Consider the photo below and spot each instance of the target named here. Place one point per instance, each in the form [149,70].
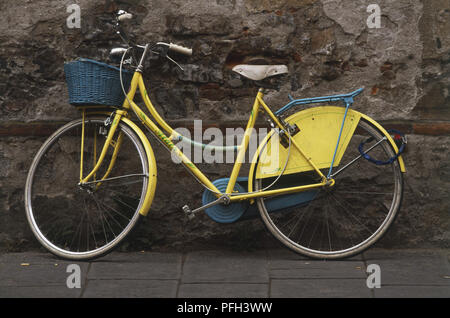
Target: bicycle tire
[38,203]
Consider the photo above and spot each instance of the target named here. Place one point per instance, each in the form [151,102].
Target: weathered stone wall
[328,47]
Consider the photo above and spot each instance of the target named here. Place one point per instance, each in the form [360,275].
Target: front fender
[152,171]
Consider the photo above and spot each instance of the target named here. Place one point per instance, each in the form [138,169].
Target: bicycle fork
[116,144]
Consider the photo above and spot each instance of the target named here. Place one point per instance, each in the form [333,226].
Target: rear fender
[319,130]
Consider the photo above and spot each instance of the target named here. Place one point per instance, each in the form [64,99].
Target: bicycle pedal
[103,131]
[188,212]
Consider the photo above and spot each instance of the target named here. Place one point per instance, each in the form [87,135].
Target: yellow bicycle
[313,179]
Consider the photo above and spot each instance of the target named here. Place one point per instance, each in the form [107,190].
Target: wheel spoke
[104,216]
[328,226]
[345,209]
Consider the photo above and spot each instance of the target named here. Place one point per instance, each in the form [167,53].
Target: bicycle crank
[224,213]
[225,199]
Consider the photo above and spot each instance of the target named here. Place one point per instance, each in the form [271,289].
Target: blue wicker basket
[94,83]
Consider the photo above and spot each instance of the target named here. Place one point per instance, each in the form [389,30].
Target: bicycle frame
[172,135]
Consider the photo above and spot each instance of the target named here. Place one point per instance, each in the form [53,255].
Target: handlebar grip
[117,51]
[125,16]
[180,49]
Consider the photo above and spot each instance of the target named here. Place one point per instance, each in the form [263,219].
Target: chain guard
[224,213]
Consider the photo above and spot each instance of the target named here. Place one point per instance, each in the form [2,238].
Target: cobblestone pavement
[220,274]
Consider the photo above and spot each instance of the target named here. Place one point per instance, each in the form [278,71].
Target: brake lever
[173,61]
[164,53]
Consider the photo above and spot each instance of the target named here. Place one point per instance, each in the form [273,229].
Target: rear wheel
[345,219]
[86,222]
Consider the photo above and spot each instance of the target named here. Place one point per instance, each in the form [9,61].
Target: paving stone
[31,257]
[412,292]
[319,288]
[287,264]
[36,275]
[137,266]
[317,269]
[223,290]
[214,266]
[32,274]
[284,254]
[39,292]
[126,288]
[411,267]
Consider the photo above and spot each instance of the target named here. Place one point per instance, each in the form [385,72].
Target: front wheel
[347,218]
[82,223]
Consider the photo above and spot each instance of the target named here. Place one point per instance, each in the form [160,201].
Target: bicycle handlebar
[176,48]
[123,16]
[180,49]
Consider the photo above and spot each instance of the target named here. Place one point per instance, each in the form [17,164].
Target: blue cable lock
[401,149]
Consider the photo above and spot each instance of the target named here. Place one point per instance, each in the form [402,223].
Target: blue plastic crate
[94,83]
